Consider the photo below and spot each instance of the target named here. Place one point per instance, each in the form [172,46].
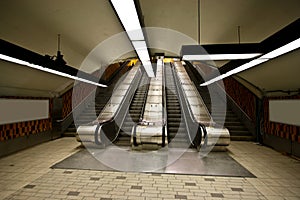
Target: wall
[282,137]
[245,99]
[20,135]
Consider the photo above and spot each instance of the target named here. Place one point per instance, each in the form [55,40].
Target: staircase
[238,131]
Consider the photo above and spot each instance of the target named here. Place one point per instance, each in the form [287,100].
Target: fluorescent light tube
[282,50]
[221,56]
[25,63]
[273,54]
[143,54]
[236,70]
[139,45]
[148,67]
[128,15]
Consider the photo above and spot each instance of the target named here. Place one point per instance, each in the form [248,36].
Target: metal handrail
[164,103]
[145,100]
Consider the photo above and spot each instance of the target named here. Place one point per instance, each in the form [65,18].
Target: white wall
[20,110]
[285,111]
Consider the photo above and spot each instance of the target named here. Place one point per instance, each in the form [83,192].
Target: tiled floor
[27,175]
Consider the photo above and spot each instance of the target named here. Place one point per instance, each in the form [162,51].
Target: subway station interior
[149,99]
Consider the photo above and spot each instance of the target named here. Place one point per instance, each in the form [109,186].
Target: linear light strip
[128,16]
[25,63]
[282,50]
[221,56]
[273,54]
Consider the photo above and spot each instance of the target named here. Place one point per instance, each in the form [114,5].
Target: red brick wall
[242,96]
[286,131]
[67,103]
[19,129]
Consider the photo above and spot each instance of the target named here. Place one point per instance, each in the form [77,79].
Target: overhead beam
[281,42]
[27,56]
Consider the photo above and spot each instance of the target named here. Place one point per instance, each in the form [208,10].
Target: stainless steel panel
[154,93]
[123,86]
[153,108]
[195,101]
[110,108]
[119,93]
[151,116]
[187,87]
[116,99]
[191,93]
[154,99]
[155,87]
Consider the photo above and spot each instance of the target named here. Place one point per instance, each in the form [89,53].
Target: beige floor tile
[277,177]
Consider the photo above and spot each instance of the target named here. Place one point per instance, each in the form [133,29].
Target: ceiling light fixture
[273,54]
[220,56]
[128,16]
[220,52]
[25,63]
[283,50]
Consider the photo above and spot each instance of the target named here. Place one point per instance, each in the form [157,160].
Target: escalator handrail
[112,118]
[178,88]
[145,100]
[164,103]
[200,125]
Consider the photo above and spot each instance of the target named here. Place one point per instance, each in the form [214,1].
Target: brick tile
[137,187]
[218,195]
[94,178]
[73,193]
[120,177]
[190,184]
[209,179]
[237,189]
[177,196]
[29,186]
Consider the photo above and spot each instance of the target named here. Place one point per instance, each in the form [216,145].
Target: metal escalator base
[190,163]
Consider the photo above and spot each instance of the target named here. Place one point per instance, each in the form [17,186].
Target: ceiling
[83,25]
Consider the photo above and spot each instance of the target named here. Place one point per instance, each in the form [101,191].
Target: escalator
[175,123]
[238,131]
[92,110]
[106,128]
[134,113]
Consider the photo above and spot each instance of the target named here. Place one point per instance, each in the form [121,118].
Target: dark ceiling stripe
[284,36]
[12,50]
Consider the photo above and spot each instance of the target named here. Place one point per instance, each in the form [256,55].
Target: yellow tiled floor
[27,175]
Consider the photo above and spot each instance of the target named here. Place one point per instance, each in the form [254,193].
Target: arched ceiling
[34,25]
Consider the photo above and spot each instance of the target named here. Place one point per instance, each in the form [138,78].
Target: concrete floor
[27,175]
